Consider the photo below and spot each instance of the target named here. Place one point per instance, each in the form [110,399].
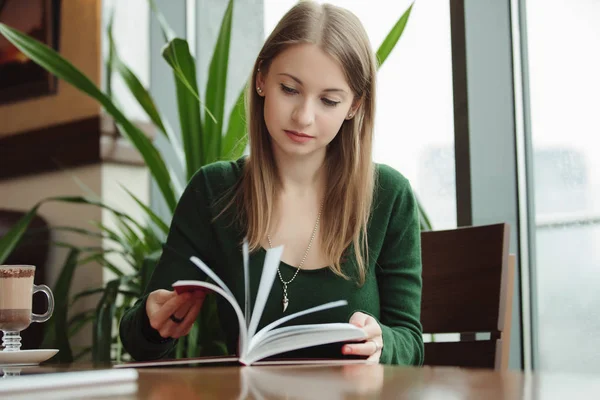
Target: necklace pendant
[285,302]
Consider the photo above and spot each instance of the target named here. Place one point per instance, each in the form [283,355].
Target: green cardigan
[391,293]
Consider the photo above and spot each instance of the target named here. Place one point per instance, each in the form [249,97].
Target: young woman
[349,227]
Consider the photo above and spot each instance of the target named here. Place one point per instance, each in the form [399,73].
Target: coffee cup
[16,296]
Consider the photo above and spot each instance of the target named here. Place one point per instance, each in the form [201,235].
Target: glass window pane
[415,123]
[131,33]
[564,61]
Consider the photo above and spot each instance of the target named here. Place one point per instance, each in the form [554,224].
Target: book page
[224,291]
[320,335]
[255,339]
[205,268]
[272,260]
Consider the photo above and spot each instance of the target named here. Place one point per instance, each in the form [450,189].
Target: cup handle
[45,316]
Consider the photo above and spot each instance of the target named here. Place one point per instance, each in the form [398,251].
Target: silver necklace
[286,301]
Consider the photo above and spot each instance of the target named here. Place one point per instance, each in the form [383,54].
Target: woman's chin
[290,149]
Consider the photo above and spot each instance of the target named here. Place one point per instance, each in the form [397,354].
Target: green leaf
[138,91]
[100,259]
[79,321]
[114,236]
[80,231]
[192,345]
[53,62]
[118,215]
[142,95]
[180,347]
[102,339]
[178,56]
[153,217]
[132,237]
[95,256]
[11,239]
[216,89]
[56,331]
[85,293]
[80,248]
[167,32]
[148,265]
[392,38]
[109,60]
[236,139]
[211,328]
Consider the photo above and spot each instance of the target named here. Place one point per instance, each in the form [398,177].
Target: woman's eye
[288,90]
[330,103]
[291,91]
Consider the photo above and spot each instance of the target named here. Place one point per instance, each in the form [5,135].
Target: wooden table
[341,382]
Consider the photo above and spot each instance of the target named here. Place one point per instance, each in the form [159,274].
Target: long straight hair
[349,167]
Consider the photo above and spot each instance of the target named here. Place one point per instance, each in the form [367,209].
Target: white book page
[234,304]
[255,339]
[272,260]
[297,330]
[308,339]
[204,268]
[224,291]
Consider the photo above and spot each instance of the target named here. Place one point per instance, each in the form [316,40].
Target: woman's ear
[260,82]
[354,108]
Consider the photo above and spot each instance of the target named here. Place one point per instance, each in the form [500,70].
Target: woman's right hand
[162,304]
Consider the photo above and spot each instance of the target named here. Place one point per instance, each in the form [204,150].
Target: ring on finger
[377,345]
[175,319]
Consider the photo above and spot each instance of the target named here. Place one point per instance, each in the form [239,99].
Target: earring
[259,90]
[350,115]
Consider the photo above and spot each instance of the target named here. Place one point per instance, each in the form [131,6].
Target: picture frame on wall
[20,78]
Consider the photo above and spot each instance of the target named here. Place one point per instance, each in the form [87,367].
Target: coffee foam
[16,293]
[23,271]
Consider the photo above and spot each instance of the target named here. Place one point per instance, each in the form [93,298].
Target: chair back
[468,281]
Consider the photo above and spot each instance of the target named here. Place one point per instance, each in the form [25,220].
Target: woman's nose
[304,114]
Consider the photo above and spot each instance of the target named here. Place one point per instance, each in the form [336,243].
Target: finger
[185,327]
[367,348]
[161,296]
[156,299]
[167,328]
[189,312]
[372,328]
[183,310]
[158,319]
[358,319]
[374,358]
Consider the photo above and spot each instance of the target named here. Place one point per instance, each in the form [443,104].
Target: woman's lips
[298,137]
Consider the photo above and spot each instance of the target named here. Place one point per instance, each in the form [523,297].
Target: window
[564,84]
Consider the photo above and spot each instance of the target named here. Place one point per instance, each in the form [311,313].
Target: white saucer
[26,357]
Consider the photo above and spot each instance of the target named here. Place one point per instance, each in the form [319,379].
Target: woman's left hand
[374,343]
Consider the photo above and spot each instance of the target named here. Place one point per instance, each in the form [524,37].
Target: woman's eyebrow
[300,82]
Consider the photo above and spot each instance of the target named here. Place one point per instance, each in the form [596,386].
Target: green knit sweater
[391,293]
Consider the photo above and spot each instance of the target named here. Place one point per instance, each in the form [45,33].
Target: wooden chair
[468,281]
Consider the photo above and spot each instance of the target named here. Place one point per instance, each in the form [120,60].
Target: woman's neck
[301,175]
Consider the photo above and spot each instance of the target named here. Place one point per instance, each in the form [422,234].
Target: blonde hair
[349,168]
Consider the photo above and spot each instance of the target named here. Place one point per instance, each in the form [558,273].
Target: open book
[272,339]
